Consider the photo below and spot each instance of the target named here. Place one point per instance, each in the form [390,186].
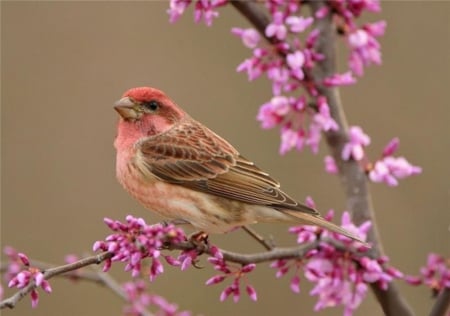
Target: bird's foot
[199,240]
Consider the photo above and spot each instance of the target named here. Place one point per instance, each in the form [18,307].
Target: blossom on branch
[340,275]
[25,277]
[140,300]
[354,149]
[237,273]
[389,169]
[135,240]
[204,10]
[288,61]
[435,274]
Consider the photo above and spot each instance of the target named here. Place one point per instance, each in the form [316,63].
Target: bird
[177,167]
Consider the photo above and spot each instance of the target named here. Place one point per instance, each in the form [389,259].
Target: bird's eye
[151,105]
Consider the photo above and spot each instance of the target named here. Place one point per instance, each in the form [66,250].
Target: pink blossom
[365,49]
[355,147]
[323,117]
[256,65]
[361,231]
[354,8]
[309,201]
[340,277]
[330,165]
[296,61]
[251,292]
[357,6]
[279,75]
[298,24]
[135,241]
[435,274]
[322,12]
[291,139]
[71,258]
[140,301]
[204,10]
[24,258]
[187,258]
[272,113]
[391,147]
[237,274]
[277,28]
[24,277]
[176,9]
[250,37]
[389,169]
[313,138]
[335,80]
[295,284]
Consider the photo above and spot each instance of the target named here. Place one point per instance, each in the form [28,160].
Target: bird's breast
[206,212]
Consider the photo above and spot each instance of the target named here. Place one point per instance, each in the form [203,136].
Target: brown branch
[71,275]
[50,271]
[353,179]
[12,301]
[442,304]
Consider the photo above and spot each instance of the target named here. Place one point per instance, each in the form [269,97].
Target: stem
[258,237]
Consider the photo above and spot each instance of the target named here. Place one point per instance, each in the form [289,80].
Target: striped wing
[193,156]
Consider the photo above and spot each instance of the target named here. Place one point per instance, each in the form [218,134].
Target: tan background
[63,66]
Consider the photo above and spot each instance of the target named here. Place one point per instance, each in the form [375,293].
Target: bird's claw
[199,240]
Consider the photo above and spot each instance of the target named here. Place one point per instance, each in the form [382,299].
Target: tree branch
[442,304]
[353,179]
[50,271]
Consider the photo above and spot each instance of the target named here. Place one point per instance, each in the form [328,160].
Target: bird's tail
[309,219]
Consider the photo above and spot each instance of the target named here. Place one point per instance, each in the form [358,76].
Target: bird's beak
[127,109]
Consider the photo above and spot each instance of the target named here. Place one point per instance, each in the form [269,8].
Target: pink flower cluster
[354,149]
[204,10]
[140,300]
[340,277]
[301,125]
[286,61]
[19,278]
[135,241]
[237,273]
[435,275]
[387,169]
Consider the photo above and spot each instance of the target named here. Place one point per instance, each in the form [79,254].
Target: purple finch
[182,170]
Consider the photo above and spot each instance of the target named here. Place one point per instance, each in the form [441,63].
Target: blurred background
[64,64]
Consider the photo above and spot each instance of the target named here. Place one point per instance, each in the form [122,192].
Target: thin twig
[12,301]
[71,275]
[258,237]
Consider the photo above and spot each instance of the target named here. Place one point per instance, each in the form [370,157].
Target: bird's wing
[193,156]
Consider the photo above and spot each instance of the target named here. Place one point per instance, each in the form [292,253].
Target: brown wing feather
[195,157]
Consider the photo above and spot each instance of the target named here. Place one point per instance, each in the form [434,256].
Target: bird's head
[147,111]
